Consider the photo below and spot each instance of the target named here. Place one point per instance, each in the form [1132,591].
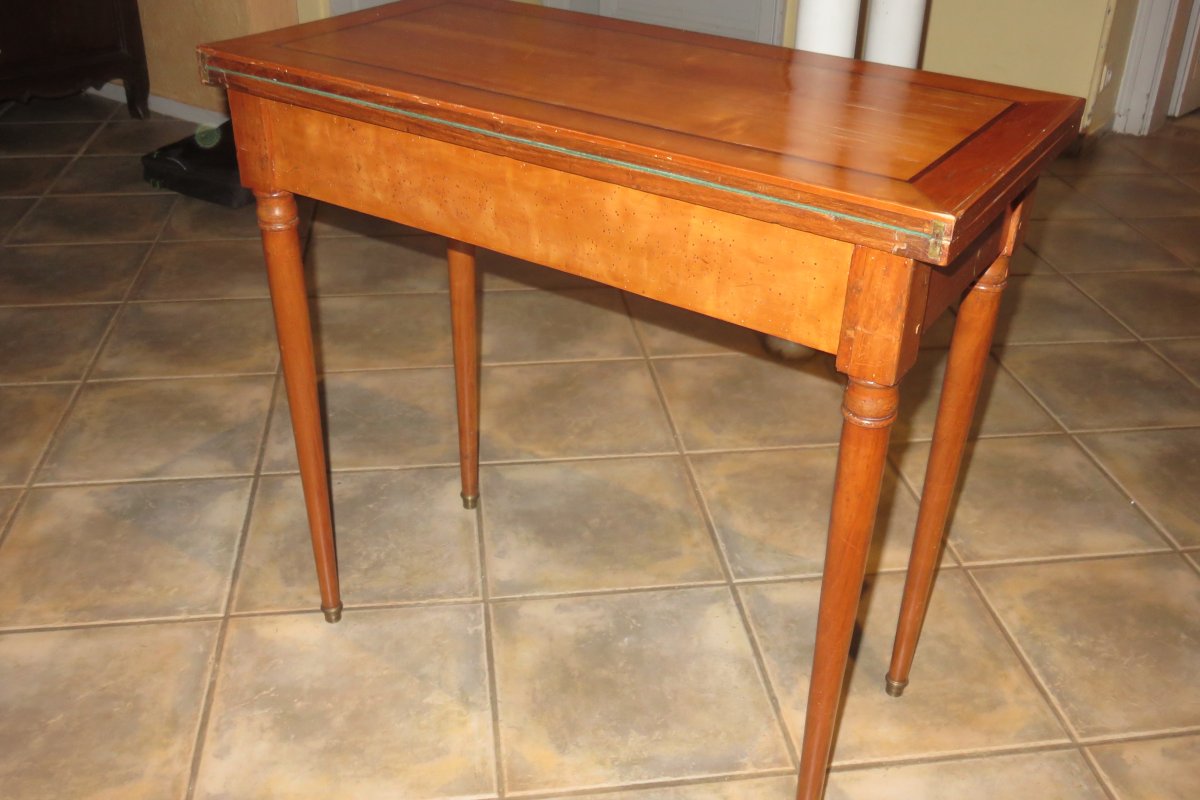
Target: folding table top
[915,159]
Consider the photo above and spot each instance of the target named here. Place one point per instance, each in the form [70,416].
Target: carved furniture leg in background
[464,326]
[960,390]
[278,219]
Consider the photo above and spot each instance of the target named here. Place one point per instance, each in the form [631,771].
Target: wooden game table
[836,203]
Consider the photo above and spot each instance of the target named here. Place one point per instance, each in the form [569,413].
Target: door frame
[1152,65]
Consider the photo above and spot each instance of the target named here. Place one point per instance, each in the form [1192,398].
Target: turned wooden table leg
[464,328]
[960,390]
[278,219]
[869,410]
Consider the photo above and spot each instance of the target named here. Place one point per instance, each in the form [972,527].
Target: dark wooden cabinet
[55,47]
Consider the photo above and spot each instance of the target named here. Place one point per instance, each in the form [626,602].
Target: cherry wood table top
[908,162]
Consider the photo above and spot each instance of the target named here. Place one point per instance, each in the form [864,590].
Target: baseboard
[163,105]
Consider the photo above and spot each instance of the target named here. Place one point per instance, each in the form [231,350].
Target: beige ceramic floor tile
[102,713]
[49,274]
[62,220]
[197,219]
[1158,469]
[208,337]
[968,691]
[8,501]
[1108,156]
[585,525]
[12,212]
[28,415]
[1003,408]
[1116,640]
[366,332]
[1061,775]
[76,108]
[1140,195]
[158,429]
[571,411]
[670,331]
[1036,497]
[50,343]
[1111,385]
[1184,354]
[44,138]
[771,511]
[104,175]
[556,325]
[1180,236]
[1153,304]
[385,418]
[735,401]
[369,265]
[782,787]
[137,136]
[1055,199]
[138,551]
[1154,769]
[1049,309]
[1027,262]
[203,271]
[401,536]
[385,704]
[1097,246]
[614,689]
[29,177]
[1169,153]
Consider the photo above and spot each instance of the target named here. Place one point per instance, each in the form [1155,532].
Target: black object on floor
[203,165]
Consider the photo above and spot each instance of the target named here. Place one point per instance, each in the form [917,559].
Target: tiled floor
[630,612]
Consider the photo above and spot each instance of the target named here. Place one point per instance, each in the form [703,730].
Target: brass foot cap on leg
[470,501]
[894,688]
[332,614]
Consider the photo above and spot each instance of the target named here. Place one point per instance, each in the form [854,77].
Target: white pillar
[827,26]
[893,34]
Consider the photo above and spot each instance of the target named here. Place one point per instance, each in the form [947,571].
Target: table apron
[763,276]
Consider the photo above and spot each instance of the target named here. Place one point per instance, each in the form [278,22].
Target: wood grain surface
[909,162]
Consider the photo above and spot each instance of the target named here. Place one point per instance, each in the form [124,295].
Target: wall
[1055,46]
[173,28]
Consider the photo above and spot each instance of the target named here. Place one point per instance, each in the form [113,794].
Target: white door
[756,20]
[346,6]
[1186,97]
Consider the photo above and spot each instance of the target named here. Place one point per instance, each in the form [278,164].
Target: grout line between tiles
[651,785]
[39,463]
[499,777]
[1074,436]
[199,739]
[109,623]
[969,754]
[1158,526]
[1105,782]
[760,665]
[1030,670]
[71,159]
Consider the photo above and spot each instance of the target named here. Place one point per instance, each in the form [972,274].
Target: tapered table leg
[960,390]
[869,410]
[464,328]
[279,221]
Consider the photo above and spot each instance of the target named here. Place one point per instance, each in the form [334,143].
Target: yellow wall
[1057,46]
[173,28]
